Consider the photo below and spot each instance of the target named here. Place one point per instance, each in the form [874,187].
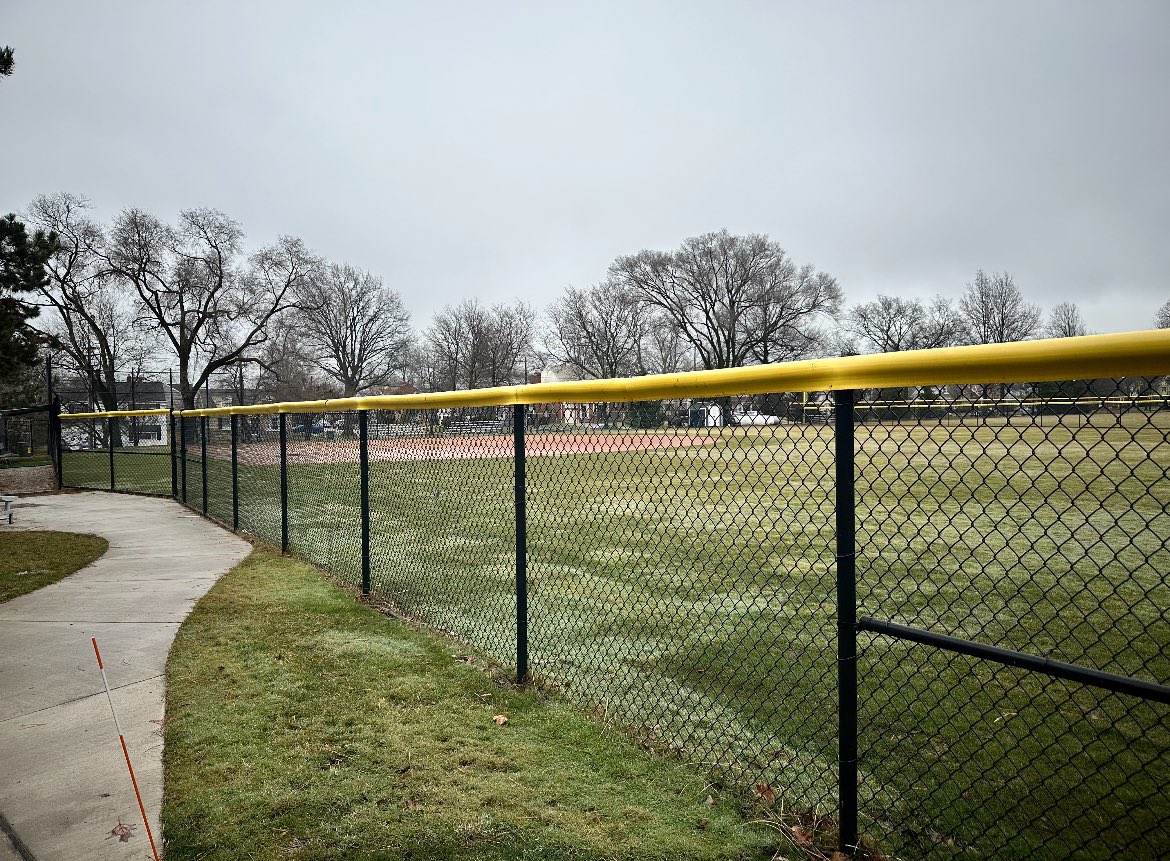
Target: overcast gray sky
[502,150]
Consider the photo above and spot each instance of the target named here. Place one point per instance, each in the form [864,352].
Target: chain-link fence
[1038,526]
[26,436]
[118,451]
[932,621]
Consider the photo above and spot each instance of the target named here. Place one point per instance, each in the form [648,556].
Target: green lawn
[687,597]
[30,560]
[29,460]
[142,469]
[301,724]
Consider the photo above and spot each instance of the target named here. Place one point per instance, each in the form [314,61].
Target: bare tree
[784,322]
[994,311]
[355,328]
[1065,321]
[735,299]
[285,367]
[661,349]
[91,312]
[212,305]
[1162,318]
[471,346]
[890,324]
[597,331]
[457,342]
[510,333]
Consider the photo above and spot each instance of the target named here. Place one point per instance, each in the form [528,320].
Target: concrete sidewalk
[63,781]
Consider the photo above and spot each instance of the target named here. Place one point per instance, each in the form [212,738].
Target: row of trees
[728,301]
[280,322]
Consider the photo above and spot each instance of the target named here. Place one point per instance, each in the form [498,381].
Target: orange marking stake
[125,752]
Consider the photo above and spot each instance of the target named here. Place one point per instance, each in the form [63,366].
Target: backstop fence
[920,606]
[27,434]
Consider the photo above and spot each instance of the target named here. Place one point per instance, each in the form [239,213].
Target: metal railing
[918,632]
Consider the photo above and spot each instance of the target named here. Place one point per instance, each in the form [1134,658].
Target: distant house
[131,394]
[603,414]
[561,413]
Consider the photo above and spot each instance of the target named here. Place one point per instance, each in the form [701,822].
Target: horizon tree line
[282,323]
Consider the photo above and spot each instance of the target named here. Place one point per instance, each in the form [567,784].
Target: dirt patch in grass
[30,560]
[27,478]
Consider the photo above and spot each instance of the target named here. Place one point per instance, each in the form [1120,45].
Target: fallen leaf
[766,792]
[801,836]
[410,804]
[122,831]
[501,719]
[838,856]
[710,802]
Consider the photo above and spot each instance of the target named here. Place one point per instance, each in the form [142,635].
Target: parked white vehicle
[752,417]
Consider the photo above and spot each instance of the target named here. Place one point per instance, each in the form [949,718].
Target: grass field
[687,596]
[31,560]
[29,460]
[301,724]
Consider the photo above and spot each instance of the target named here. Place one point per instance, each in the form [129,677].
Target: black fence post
[283,484]
[110,445]
[174,456]
[183,455]
[235,472]
[58,442]
[203,459]
[364,464]
[521,545]
[845,507]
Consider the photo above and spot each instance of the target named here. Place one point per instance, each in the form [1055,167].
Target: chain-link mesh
[219,468]
[680,583]
[258,453]
[680,563]
[142,454]
[137,448]
[442,521]
[85,459]
[24,435]
[1024,520]
[324,499]
[192,448]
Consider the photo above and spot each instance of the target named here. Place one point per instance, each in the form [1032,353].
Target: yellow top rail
[1090,357]
[115,414]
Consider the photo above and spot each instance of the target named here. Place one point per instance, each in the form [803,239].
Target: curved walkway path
[63,781]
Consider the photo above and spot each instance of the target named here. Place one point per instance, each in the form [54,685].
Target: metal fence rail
[929,629]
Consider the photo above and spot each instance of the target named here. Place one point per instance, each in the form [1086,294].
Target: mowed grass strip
[302,724]
[32,560]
